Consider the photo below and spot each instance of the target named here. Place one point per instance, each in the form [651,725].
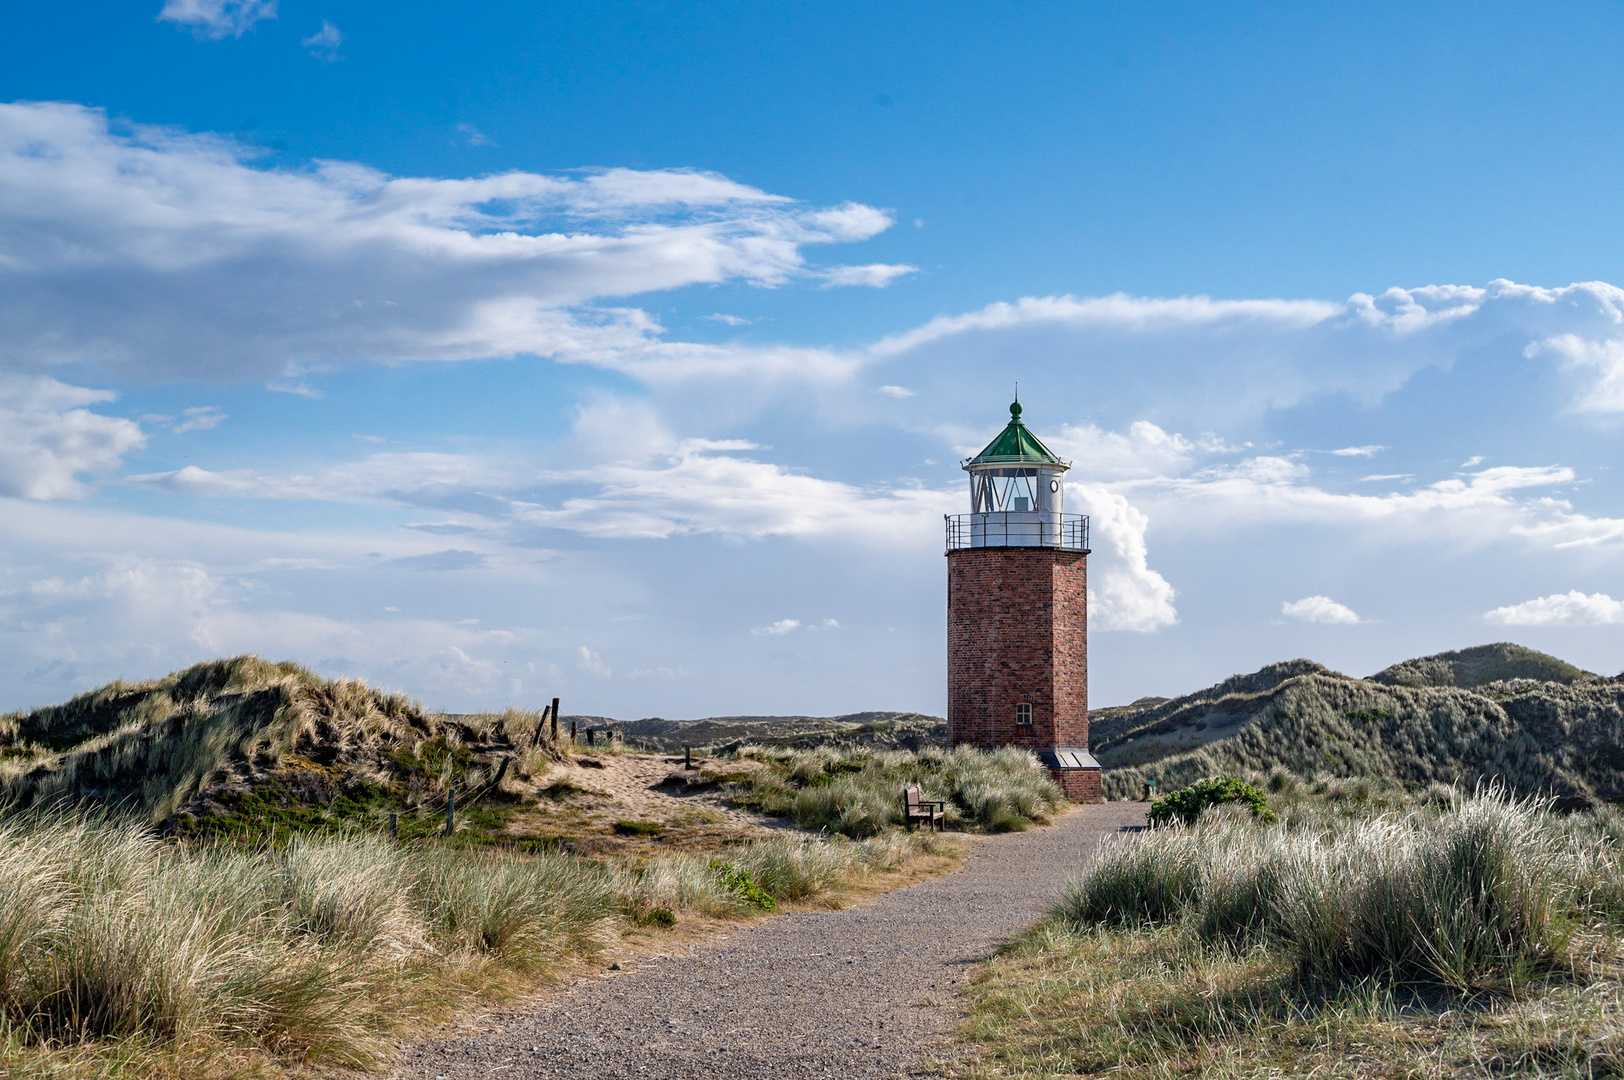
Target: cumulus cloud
[174,255]
[1572,608]
[216,19]
[1124,592]
[50,438]
[1320,609]
[779,628]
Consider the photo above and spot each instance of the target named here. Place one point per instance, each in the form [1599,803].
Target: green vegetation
[1493,714]
[125,954]
[858,792]
[1184,806]
[243,748]
[1442,936]
[727,734]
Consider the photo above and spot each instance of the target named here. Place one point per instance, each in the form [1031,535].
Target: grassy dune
[246,743]
[1449,937]
[1498,713]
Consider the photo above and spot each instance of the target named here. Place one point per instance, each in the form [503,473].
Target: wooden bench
[915,809]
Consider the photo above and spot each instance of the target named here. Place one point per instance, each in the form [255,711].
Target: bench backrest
[910,798]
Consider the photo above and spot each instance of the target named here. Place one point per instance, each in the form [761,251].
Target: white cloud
[1472,462]
[592,663]
[324,43]
[472,136]
[1381,477]
[174,255]
[1124,592]
[1319,609]
[1572,608]
[873,276]
[897,392]
[782,626]
[1359,451]
[49,438]
[1145,451]
[727,320]
[216,19]
[199,418]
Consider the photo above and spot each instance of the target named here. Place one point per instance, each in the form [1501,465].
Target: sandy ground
[581,801]
[868,991]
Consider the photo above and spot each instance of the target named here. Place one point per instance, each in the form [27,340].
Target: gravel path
[863,992]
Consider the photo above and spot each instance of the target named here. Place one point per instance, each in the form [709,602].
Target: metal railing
[1017,529]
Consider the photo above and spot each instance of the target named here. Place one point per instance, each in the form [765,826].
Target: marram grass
[1475,936]
[122,954]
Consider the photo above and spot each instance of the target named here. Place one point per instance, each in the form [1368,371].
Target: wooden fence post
[394,825]
[555,719]
[687,757]
[450,810]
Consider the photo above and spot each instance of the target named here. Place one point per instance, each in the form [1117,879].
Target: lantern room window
[1023,713]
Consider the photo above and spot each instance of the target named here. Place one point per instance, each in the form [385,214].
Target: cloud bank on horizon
[713,508]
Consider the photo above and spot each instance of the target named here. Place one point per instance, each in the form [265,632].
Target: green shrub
[738,882]
[1185,805]
[638,828]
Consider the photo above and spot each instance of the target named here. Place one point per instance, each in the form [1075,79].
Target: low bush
[1185,805]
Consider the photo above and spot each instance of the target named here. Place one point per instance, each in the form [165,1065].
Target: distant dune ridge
[1495,712]
[198,740]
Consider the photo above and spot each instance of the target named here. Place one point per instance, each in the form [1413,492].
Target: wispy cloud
[779,628]
[472,136]
[727,320]
[216,19]
[1359,451]
[898,392]
[873,276]
[324,43]
[199,418]
[358,266]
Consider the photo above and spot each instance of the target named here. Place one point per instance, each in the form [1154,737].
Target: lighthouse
[1017,612]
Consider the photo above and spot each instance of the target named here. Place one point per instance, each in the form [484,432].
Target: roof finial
[1015,408]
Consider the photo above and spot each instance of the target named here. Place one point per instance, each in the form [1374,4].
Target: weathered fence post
[450,810]
[541,726]
[572,731]
[555,719]
[591,735]
[687,757]
[394,825]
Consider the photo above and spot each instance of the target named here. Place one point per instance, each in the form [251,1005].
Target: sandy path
[863,992]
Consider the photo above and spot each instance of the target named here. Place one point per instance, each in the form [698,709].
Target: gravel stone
[869,991]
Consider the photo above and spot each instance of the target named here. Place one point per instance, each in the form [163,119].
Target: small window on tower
[1023,713]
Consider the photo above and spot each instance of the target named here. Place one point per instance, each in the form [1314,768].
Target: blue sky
[625,353]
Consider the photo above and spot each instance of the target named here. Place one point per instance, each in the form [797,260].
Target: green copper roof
[1015,444]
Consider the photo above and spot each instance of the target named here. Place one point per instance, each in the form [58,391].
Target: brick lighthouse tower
[1017,612]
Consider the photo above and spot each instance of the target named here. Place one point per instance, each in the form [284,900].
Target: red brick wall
[1079,785]
[1017,630]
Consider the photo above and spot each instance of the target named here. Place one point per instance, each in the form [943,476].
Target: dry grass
[1449,938]
[125,955]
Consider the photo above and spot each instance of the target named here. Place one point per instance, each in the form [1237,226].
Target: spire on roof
[1015,445]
